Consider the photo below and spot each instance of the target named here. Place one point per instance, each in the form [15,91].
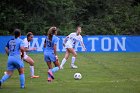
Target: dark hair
[17,33]
[29,34]
[51,32]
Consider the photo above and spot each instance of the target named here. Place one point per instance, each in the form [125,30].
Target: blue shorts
[14,63]
[49,57]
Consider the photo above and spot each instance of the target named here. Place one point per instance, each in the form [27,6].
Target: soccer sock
[63,62]
[22,80]
[73,60]
[49,76]
[4,78]
[55,69]
[32,70]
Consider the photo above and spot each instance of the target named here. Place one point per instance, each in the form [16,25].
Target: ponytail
[51,32]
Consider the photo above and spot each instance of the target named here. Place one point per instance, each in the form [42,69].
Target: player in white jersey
[69,43]
[28,49]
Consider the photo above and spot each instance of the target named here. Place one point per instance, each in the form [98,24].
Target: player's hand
[56,57]
[34,48]
[22,56]
[85,49]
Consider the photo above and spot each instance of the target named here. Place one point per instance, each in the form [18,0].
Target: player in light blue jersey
[50,55]
[14,48]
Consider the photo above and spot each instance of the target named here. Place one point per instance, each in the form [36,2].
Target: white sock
[32,70]
[63,62]
[73,60]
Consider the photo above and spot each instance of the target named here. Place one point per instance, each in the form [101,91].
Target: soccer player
[27,58]
[50,45]
[69,43]
[13,49]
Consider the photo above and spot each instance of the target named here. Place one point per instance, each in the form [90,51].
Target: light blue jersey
[14,58]
[50,44]
[14,46]
[49,55]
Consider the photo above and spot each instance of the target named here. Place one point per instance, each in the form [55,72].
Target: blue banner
[92,43]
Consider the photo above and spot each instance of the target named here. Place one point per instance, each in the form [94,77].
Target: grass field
[102,73]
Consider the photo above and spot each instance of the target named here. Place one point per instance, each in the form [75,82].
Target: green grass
[102,73]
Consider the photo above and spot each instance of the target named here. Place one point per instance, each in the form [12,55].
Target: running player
[27,58]
[69,43]
[50,55]
[13,49]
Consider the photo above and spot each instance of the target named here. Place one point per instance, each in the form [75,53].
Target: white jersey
[26,44]
[73,39]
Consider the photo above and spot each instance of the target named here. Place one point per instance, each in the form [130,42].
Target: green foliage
[98,17]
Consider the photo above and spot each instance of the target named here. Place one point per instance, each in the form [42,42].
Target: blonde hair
[51,32]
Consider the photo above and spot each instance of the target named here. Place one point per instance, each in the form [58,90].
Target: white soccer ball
[5,72]
[77,76]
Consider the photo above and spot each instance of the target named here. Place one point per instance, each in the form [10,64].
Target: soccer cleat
[22,87]
[61,67]
[51,74]
[74,67]
[49,79]
[34,76]
[0,84]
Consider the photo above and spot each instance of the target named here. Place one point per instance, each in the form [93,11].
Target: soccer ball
[5,72]
[77,76]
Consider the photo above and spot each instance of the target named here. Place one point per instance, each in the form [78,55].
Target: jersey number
[12,47]
[49,43]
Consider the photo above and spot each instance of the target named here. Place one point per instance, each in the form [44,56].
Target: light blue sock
[4,78]
[22,80]
[55,69]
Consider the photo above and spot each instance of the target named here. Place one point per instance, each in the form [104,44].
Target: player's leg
[31,62]
[57,65]
[50,73]
[21,77]
[48,62]
[20,67]
[71,50]
[9,72]
[65,58]
[6,76]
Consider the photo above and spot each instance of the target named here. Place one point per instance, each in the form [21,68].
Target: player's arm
[29,49]
[45,43]
[55,47]
[65,40]
[26,45]
[7,50]
[22,49]
[82,44]
[55,52]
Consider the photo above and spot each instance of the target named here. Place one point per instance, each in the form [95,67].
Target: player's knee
[75,55]
[31,62]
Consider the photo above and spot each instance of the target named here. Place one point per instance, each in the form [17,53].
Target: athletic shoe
[74,67]
[51,74]
[0,84]
[49,79]
[34,76]
[61,67]
[22,87]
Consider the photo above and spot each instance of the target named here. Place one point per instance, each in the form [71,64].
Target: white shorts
[25,56]
[68,45]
